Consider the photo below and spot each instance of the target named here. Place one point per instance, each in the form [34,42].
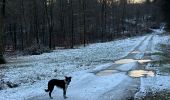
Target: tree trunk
[84,22]
[72,25]
[2,16]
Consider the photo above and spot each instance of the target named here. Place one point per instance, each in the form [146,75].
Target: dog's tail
[47,90]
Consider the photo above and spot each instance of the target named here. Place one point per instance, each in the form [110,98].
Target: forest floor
[127,69]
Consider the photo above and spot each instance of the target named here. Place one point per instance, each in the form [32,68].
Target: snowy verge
[158,83]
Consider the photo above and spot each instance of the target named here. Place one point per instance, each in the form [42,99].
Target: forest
[36,26]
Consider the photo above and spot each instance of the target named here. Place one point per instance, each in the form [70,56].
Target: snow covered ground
[32,73]
[159,82]
[29,69]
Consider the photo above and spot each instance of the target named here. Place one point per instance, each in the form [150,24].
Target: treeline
[2,17]
[166,11]
[45,24]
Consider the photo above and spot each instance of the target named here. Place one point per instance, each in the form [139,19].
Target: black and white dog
[63,84]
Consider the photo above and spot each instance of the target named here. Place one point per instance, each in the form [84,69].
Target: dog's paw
[51,97]
[65,97]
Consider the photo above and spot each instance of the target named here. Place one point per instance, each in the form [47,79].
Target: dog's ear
[70,77]
[65,76]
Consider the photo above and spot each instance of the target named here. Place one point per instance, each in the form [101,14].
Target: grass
[165,70]
[163,55]
[158,53]
[158,96]
[164,61]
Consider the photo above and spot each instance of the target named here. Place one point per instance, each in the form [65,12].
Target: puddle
[144,61]
[141,73]
[106,72]
[135,73]
[135,52]
[125,61]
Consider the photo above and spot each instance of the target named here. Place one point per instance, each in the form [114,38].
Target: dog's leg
[64,93]
[51,90]
[50,95]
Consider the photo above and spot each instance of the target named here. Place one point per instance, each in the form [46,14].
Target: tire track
[129,86]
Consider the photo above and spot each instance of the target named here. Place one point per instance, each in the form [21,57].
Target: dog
[63,84]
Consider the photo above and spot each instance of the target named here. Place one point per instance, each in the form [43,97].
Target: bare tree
[84,22]
[2,17]
[66,23]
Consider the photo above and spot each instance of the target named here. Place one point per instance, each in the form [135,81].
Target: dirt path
[129,86]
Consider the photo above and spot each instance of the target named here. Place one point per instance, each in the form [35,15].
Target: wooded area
[36,26]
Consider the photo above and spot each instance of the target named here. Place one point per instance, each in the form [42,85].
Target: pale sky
[138,1]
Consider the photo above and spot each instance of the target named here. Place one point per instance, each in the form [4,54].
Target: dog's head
[68,80]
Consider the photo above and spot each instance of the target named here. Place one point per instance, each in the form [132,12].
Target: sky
[138,1]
